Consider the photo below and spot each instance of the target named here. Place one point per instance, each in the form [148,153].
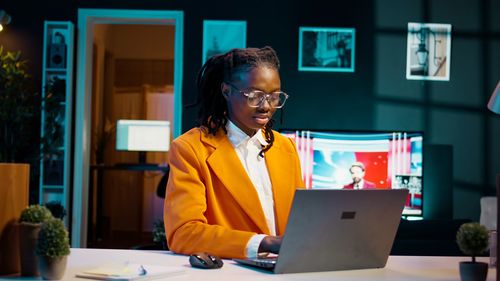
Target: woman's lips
[262,118]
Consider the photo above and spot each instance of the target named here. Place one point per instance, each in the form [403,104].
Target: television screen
[355,160]
[142,135]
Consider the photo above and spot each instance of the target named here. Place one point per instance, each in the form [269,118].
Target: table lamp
[494,106]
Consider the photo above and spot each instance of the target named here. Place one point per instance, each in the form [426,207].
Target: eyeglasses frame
[266,97]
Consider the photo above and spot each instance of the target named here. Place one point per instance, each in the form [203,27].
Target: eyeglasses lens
[276,100]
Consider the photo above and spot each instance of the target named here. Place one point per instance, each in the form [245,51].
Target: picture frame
[327,49]
[428,53]
[220,36]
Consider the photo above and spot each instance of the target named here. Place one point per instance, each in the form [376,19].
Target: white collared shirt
[359,185]
[248,149]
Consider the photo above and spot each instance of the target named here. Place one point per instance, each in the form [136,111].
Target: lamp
[143,136]
[422,52]
[494,103]
[4,19]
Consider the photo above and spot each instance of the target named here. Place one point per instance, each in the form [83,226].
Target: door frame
[87,18]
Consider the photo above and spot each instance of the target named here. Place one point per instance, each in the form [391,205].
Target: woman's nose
[265,104]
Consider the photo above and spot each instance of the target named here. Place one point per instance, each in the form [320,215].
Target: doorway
[86,84]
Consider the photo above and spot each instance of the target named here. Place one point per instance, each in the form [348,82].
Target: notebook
[337,230]
[130,271]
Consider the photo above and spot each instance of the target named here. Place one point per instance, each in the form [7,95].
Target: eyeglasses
[256,97]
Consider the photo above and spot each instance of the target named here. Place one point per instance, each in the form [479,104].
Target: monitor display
[142,135]
[352,160]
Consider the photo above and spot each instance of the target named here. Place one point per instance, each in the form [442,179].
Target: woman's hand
[270,244]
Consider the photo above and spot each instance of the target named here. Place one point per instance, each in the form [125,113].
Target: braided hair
[213,110]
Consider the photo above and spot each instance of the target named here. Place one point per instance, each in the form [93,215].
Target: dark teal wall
[376,96]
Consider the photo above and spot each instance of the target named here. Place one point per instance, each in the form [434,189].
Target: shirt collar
[237,137]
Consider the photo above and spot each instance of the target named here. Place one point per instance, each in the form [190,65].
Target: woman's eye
[255,95]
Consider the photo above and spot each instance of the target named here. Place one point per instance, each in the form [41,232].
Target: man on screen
[357,171]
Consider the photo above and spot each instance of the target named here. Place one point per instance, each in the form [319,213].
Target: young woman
[232,179]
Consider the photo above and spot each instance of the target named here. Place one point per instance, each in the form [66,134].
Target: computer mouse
[205,261]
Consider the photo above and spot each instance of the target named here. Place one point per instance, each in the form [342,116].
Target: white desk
[400,268]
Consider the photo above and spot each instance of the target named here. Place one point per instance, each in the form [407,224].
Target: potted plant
[18,107]
[159,234]
[52,249]
[18,146]
[472,239]
[30,223]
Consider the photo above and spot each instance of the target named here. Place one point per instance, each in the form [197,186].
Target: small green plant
[35,214]
[159,232]
[53,131]
[53,239]
[472,239]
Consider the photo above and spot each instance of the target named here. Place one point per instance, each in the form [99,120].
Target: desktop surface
[400,268]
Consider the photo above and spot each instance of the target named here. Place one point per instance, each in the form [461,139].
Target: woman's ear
[225,90]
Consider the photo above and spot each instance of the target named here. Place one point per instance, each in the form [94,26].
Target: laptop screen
[384,160]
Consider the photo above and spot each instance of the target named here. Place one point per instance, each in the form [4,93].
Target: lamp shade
[422,54]
[494,103]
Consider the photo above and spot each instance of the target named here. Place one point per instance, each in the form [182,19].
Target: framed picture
[220,36]
[326,49]
[428,53]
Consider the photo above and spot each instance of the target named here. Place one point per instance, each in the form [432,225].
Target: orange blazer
[211,204]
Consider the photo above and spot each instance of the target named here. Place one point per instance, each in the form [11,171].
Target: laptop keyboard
[265,262]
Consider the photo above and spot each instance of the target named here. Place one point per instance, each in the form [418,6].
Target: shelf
[56,70]
[52,186]
[55,182]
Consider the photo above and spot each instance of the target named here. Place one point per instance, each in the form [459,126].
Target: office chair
[162,185]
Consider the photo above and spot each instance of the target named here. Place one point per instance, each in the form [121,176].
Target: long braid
[269,137]
[212,113]
[220,68]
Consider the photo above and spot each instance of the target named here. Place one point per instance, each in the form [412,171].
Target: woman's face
[250,119]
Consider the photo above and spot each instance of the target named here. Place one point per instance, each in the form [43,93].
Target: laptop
[337,230]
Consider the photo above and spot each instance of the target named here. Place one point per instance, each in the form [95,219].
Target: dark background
[376,96]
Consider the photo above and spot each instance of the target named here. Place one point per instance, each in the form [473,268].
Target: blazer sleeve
[187,229]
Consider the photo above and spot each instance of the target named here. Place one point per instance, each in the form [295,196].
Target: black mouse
[205,261]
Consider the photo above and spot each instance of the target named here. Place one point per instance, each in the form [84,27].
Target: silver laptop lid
[340,230]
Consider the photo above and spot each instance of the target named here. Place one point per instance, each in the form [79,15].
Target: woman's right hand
[270,244]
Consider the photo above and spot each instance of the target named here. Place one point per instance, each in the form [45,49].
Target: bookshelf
[57,78]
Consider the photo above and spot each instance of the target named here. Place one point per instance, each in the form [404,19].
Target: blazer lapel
[228,168]
[281,174]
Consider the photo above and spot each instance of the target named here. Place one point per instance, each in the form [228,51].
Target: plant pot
[52,268]
[473,271]
[28,236]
